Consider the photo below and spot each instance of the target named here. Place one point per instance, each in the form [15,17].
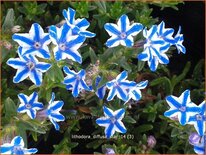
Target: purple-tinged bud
[194,138]
[109,151]
[175,118]
[151,141]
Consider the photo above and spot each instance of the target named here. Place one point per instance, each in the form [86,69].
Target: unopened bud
[16,28]
[194,138]
[109,151]
[151,141]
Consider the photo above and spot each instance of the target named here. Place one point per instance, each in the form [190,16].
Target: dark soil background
[191,17]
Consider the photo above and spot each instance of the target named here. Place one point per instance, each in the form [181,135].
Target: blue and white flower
[198,142]
[29,104]
[120,87]
[112,121]
[154,49]
[75,81]
[178,42]
[78,26]
[181,107]
[165,33]
[35,42]
[53,111]
[199,119]
[16,147]
[135,93]
[100,90]
[122,33]
[67,45]
[28,67]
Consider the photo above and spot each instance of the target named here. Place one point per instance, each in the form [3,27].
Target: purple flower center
[62,47]
[30,65]
[28,106]
[199,117]
[37,45]
[123,35]
[113,119]
[182,108]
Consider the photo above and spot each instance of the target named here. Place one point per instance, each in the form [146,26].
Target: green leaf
[10,108]
[163,127]
[163,80]
[94,144]
[198,70]
[140,65]
[102,6]
[62,147]
[129,119]
[55,74]
[9,21]
[144,128]
[32,125]
[128,151]
[123,63]
[92,55]
[177,79]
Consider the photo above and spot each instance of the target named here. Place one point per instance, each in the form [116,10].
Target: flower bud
[194,138]
[151,141]
[109,151]
[16,28]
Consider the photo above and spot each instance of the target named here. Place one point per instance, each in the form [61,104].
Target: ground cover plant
[94,77]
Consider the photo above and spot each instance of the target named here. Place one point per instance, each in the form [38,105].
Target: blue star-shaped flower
[35,42]
[66,43]
[28,67]
[154,49]
[119,87]
[122,33]
[75,81]
[100,90]
[29,104]
[178,42]
[181,107]
[112,121]
[199,119]
[53,111]
[165,33]
[78,26]
[16,147]
[135,93]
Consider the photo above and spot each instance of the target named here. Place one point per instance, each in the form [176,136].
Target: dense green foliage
[142,119]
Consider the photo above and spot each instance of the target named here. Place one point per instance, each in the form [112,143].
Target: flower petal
[21,74]
[109,131]
[56,125]
[36,77]
[24,40]
[119,114]
[57,117]
[107,112]
[123,22]
[17,141]
[112,29]
[30,151]
[103,121]
[43,67]
[111,94]
[16,63]
[120,127]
